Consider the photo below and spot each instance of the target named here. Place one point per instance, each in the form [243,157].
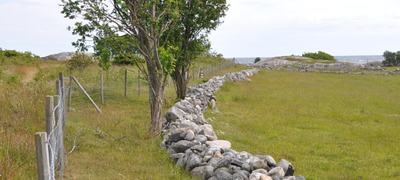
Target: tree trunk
[181,81]
[156,97]
[156,103]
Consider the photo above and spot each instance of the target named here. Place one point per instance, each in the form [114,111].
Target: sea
[362,59]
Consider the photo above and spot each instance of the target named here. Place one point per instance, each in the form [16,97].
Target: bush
[391,58]
[79,61]
[257,59]
[16,57]
[320,55]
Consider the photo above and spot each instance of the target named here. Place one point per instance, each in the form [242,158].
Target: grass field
[112,145]
[330,126]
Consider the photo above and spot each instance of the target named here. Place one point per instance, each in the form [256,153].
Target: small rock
[276,171]
[224,162]
[241,175]
[189,135]
[223,174]
[181,146]
[193,161]
[204,172]
[201,138]
[223,144]
[288,168]
[208,131]
[262,171]
[258,164]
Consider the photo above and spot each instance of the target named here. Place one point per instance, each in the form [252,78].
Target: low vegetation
[320,55]
[330,126]
[111,145]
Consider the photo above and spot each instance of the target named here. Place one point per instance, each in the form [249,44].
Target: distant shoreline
[360,59]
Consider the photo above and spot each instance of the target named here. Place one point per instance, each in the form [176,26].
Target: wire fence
[90,88]
[50,144]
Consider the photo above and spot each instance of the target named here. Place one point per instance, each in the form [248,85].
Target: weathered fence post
[50,124]
[102,86]
[126,82]
[61,124]
[42,156]
[69,94]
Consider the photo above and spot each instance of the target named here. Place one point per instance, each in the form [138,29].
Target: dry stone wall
[193,144]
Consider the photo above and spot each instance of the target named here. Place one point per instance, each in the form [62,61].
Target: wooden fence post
[126,82]
[42,156]
[69,95]
[102,86]
[50,124]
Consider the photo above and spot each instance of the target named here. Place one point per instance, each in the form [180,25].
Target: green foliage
[257,59]
[391,58]
[15,57]
[168,60]
[320,55]
[79,62]
[120,50]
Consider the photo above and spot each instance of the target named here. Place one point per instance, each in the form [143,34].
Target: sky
[251,27]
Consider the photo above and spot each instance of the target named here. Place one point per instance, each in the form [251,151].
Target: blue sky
[251,27]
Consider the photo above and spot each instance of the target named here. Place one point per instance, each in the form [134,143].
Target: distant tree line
[391,58]
[320,55]
[17,57]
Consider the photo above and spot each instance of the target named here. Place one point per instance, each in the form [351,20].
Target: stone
[181,146]
[189,135]
[287,167]
[224,162]
[201,138]
[246,166]
[219,144]
[241,175]
[208,131]
[223,174]
[177,156]
[203,172]
[177,134]
[262,171]
[259,176]
[193,161]
[276,171]
[257,163]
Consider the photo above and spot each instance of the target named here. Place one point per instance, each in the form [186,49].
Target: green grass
[111,145]
[330,126]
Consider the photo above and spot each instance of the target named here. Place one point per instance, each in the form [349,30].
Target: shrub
[257,59]
[16,57]
[391,58]
[79,61]
[320,55]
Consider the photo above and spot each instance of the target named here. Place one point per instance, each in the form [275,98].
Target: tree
[142,21]
[390,58]
[197,18]
[257,59]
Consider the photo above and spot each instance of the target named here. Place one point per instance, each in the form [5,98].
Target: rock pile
[339,67]
[194,146]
